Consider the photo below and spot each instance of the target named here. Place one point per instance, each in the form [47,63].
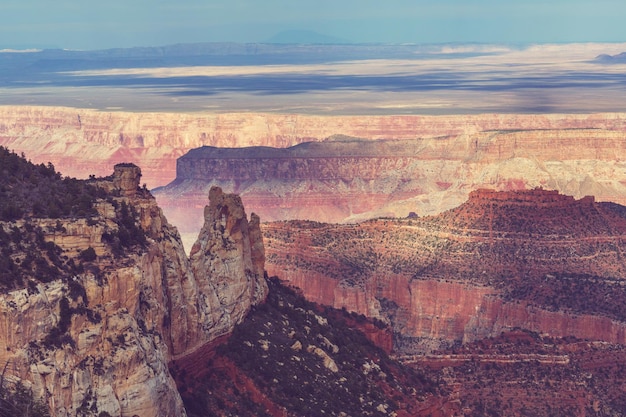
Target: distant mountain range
[285,47]
[305,37]
[197,77]
[611,59]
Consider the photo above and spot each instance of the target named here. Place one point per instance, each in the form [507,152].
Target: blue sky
[89,24]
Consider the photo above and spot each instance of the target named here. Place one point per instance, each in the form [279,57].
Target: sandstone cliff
[533,259]
[229,251]
[575,154]
[346,179]
[81,142]
[99,340]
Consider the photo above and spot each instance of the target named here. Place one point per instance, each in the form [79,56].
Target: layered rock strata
[536,260]
[229,251]
[81,142]
[575,154]
[106,349]
[343,179]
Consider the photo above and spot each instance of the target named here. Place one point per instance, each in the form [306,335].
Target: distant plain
[323,79]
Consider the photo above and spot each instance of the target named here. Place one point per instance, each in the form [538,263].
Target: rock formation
[100,341]
[126,179]
[230,252]
[81,142]
[576,154]
[343,179]
[535,259]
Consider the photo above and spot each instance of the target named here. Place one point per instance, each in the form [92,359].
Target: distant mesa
[304,37]
[611,59]
[344,179]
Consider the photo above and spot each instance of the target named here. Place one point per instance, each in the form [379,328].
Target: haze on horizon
[70,24]
[396,57]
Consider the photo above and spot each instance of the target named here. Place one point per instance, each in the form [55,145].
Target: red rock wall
[498,262]
[453,311]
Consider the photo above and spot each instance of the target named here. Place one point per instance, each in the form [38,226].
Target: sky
[90,24]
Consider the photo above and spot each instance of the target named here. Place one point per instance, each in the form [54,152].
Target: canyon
[512,302]
[476,285]
[103,314]
[532,259]
[577,154]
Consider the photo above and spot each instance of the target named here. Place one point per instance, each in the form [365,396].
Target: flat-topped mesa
[536,197]
[336,159]
[535,211]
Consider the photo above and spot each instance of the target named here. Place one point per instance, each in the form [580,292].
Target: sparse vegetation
[577,293]
[559,254]
[58,335]
[554,254]
[497,380]
[304,359]
[16,400]
[29,190]
[25,255]
[128,234]
[88,255]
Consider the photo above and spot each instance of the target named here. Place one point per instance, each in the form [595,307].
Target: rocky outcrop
[229,251]
[535,260]
[126,179]
[100,341]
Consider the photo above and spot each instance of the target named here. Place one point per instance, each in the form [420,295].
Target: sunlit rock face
[228,260]
[533,259]
[121,321]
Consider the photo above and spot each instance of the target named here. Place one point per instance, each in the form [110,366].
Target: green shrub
[18,401]
[88,255]
[27,189]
